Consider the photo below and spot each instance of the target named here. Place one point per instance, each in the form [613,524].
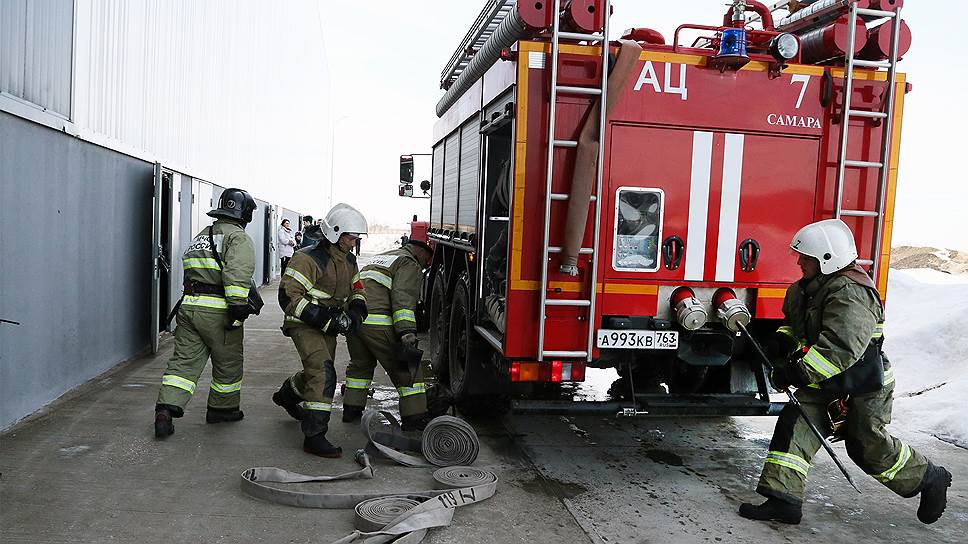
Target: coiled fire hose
[447,442]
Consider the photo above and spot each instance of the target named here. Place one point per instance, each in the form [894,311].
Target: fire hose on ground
[447,442]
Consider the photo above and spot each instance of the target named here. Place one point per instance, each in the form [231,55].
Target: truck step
[568,89]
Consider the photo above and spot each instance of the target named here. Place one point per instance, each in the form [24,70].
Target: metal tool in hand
[796,402]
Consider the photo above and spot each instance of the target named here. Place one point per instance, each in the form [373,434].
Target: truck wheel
[439,319]
[464,351]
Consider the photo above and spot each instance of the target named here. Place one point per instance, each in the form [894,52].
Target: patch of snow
[926,341]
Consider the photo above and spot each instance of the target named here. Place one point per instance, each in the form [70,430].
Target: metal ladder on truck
[882,165]
[553,144]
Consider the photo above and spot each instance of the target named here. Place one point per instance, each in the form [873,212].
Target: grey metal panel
[437,185]
[48,54]
[177,275]
[470,160]
[13,29]
[79,280]
[451,174]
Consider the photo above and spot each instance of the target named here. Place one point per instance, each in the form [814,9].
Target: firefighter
[219,265]
[829,347]
[392,282]
[322,297]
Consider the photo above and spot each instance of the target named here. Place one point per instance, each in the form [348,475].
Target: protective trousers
[316,382]
[378,343]
[869,445]
[199,335]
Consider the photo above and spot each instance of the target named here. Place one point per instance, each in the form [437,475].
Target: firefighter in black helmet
[218,264]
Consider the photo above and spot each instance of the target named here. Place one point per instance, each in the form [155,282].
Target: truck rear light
[690,313]
[731,310]
[551,371]
[556,371]
[577,372]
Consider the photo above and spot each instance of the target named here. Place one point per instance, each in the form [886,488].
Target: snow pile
[927,342]
[945,260]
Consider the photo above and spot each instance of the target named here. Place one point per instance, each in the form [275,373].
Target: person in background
[404,239]
[287,244]
[298,237]
[307,220]
[359,244]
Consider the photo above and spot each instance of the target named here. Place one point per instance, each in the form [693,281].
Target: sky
[384,60]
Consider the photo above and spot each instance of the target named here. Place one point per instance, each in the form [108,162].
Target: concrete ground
[88,469]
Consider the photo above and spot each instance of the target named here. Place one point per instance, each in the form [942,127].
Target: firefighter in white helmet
[830,348]
[322,297]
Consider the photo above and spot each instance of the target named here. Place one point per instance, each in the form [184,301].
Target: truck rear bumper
[657,405]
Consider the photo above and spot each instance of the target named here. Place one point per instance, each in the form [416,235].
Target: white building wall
[231,91]
[35,52]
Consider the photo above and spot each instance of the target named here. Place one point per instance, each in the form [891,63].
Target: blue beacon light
[733,45]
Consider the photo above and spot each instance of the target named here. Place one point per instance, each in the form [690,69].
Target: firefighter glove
[796,373]
[409,340]
[339,322]
[237,313]
[318,316]
[357,313]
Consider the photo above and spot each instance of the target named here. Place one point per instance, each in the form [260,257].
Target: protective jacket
[211,287]
[322,275]
[837,320]
[392,281]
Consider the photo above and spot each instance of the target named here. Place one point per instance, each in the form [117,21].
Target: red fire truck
[569,235]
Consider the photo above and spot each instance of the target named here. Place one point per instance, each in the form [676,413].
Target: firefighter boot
[352,414]
[772,510]
[318,445]
[417,422]
[223,415]
[287,397]
[164,427]
[934,493]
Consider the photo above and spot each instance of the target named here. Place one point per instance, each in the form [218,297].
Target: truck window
[638,228]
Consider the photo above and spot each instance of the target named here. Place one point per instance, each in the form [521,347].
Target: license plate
[626,339]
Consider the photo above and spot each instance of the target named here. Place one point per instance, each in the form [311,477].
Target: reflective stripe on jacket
[237,253]
[392,281]
[840,324]
[321,275]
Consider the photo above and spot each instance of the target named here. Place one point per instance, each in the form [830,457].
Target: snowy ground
[927,341]
[377,243]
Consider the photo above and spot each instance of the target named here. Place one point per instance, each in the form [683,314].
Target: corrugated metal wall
[35,52]
[234,91]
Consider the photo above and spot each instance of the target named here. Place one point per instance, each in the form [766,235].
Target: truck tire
[439,321]
[474,389]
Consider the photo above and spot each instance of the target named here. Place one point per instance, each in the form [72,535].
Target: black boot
[287,398]
[772,510]
[439,400]
[223,415]
[415,423]
[163,424]
[318,445]
[352,414]
[934,493]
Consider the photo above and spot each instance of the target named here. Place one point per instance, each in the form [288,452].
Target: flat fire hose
[404,516]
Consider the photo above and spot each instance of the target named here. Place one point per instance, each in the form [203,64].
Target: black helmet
[235,204]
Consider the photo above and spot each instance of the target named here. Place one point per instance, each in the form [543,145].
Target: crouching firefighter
[392,281]
[830,348]
[322,297]
[219,296]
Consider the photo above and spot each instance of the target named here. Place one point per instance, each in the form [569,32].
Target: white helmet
[829,241]
[342,219]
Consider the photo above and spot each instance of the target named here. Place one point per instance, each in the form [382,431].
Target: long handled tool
[796,402]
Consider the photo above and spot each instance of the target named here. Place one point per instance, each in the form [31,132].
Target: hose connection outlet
[690,313]
[731,310]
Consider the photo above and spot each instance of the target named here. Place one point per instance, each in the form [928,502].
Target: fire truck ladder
[882,165]
[553,144]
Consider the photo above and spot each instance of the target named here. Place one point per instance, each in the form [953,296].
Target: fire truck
[622,204]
